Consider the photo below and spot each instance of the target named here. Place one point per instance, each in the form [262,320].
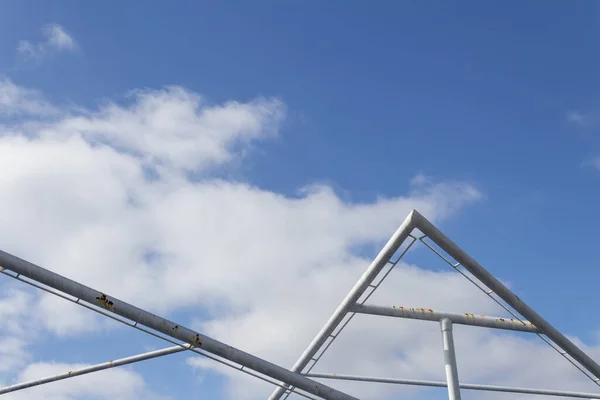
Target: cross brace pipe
[152,321]
[93,368]
[427,314]
[468,386]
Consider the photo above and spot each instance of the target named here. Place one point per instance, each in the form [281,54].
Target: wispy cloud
[18,100]
[56,39]
[593,162]
[577,117]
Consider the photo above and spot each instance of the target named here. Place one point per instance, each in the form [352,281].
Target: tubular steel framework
[300,379]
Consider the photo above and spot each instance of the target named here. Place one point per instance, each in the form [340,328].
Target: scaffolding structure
[300,379]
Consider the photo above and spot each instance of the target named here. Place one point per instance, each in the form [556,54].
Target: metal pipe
[467,386]
[167,327]
[351,298]
[428,314]
[93,368]
[504,293]
[450,360]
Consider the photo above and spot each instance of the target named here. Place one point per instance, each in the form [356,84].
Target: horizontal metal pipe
[167,327]
[468,386]
[428,314]
[93,368]
[505,294]
[352,297]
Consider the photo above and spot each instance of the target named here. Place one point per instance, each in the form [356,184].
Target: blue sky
[502,97]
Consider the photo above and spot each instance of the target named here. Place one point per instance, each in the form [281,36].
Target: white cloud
[59,38]
[56,38]
[15,307]
[268,269]
[117,384]
[13,353]
[19,101]
[173,127]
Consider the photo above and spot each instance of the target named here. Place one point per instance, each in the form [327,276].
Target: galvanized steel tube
[352,297]
[167,327]
[450,360]
[467,386]
[505,294]
[92,368]
[427,314]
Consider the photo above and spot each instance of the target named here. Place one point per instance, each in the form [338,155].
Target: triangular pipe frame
[299,377]
[406,235]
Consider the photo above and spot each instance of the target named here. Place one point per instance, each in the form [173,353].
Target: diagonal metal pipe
[505,294]
[93,368]
[169,328]
[351,298]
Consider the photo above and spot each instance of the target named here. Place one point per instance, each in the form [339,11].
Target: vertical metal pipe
[505,294]
[351,298]
[167,327]
[450,360]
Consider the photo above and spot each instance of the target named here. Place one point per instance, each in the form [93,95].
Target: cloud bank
[121,198]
